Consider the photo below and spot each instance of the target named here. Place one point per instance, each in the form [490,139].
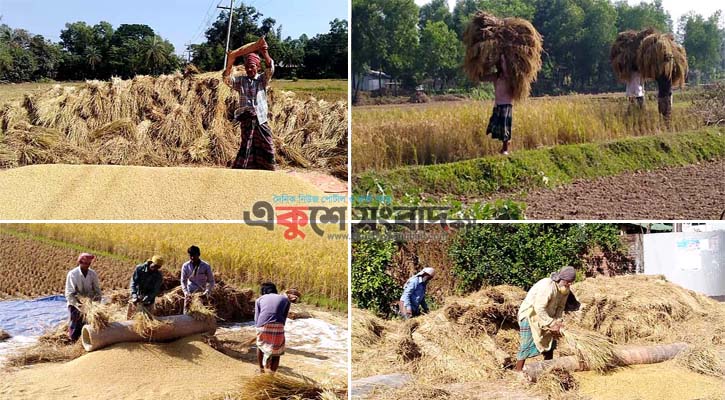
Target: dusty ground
[689,192]
[128,192]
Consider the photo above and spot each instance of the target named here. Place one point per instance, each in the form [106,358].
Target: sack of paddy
[487,38]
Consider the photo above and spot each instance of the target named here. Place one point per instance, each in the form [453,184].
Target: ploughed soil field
[689,192]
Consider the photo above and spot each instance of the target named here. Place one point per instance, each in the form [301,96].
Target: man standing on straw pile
[145,285]
[412,301]
[196,277]
[81,281]
[257,148]
[540,315]
[270,315]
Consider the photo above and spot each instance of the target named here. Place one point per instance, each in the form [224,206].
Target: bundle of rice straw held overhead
[623,54]
[488,37]
[659,55]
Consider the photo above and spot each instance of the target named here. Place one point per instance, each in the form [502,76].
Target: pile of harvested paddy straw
[278,386]
[556,382]
[406,349]
[623,54]
[645,309]
[660,55]
[703,360]
[164,121]
[52,346]
[367,329]
[4,335]
[487,38]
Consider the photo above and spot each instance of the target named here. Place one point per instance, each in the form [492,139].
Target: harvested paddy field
[688,192]
[140,193]
[465,349]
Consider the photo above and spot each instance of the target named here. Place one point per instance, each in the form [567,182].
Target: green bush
[372,288]
[522,254]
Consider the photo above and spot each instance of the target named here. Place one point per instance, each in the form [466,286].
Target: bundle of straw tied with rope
[488,37]
[651,53]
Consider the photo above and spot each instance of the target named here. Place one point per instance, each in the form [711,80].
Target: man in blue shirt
[413,299]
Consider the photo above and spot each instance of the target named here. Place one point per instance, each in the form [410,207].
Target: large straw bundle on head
[487,38]
[659,55]
[623,54]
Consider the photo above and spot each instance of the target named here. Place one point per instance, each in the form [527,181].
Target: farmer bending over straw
[145,285]
[270,315]
[80,281]
[196,277]
[257,148]
[412,301]
[500,124]
[540,316]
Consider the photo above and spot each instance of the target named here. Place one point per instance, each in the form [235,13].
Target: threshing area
[465,349]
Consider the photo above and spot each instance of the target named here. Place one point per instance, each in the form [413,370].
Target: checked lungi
[257,149]
[270,340]
[527,349]
[499,126]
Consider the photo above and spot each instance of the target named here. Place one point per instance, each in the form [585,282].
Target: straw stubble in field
[245,255]
[392,137]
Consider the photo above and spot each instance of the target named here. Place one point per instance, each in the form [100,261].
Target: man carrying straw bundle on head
[635,89]
[270,315]
[145,285]
[196,277]
[540,316]
[506,52]
[257,148]
[81,281]
[412,301]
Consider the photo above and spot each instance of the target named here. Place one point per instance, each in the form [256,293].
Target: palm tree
[93,57]
[154,53]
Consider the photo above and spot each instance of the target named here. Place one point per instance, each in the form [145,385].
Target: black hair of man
[268,288]
[194,251]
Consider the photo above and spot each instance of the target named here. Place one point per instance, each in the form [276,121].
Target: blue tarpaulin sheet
[32,317]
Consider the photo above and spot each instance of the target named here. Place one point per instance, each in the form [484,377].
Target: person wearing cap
[81,281]
[540,315]
[270,315]
[145,285]
[196,277]
[412,302]
[257,147]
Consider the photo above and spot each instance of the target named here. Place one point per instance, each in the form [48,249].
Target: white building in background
[693,258]
[373,80]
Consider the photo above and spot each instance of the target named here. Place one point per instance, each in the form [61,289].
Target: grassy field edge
[548,167]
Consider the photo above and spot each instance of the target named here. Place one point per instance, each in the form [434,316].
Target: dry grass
[4,335]
[594,350]
[390,137]
[702,359]
[53,346]
[95,314]
[199,311]
[164,121]
[487,38]
[555,383]
[245,255]
[278,386]
[145,323]
[644,309]
[367,329]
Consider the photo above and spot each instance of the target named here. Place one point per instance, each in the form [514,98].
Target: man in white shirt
[635,89]
[81,281]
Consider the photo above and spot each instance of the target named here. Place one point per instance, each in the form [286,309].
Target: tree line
[101,51]
[424,44]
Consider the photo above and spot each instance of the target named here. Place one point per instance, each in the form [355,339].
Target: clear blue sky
[179,21]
